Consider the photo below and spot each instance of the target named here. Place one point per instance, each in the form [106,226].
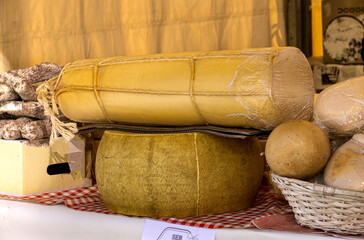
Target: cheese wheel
[297,149]
[252,88]
[339,109]
[177,175]
[345,169]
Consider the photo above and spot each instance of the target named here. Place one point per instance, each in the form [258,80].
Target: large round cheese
[177,175]
[340,108]
[345,168]
[297,149]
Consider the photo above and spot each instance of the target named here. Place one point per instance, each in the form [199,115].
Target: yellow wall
[33,31]
[317,44]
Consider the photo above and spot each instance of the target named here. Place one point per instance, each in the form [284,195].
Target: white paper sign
[159,230]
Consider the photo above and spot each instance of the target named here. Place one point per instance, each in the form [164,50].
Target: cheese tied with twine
[251,88]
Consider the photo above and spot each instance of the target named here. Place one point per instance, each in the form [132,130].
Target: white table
[31,221]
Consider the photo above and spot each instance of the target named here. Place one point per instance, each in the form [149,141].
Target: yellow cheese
[252,88]
[23,169]
[177,175]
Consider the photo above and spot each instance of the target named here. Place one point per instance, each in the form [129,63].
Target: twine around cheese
[243,80]
[46,95]
[192,91]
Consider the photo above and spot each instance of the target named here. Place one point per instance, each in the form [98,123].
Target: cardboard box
[343,31]
[23,169]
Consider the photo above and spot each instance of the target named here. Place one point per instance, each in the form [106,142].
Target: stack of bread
[22,116]
[302,149]
[339,111]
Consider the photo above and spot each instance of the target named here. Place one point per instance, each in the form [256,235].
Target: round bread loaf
[297,149]
[345,169]
[339,109]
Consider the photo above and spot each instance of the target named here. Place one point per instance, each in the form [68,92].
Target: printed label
[159,230]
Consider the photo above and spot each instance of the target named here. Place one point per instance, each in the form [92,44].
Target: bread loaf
[339,109]
[297,149]
[345,169]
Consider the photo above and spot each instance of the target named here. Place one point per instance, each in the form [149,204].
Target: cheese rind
[177,175]
[252,88]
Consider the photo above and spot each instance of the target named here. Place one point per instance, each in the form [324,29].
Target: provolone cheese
[252,88]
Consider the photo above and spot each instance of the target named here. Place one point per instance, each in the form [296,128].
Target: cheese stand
[222,64]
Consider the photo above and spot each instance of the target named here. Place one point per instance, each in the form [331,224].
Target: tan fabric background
[33,31]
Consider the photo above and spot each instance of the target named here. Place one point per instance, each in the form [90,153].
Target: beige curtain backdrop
[61,31]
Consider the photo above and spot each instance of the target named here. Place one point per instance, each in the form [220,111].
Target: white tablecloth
[30,221]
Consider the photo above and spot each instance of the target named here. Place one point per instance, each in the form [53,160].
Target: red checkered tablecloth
[266,204]
[88,199]
[52,198]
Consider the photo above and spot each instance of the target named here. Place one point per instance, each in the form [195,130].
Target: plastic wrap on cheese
[252,88]
[339,109]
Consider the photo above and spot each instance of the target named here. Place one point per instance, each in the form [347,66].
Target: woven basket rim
[319,188]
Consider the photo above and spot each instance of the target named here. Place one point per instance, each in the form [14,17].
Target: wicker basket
[321,207]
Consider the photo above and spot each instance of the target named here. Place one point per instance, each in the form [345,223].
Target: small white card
[159,230]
